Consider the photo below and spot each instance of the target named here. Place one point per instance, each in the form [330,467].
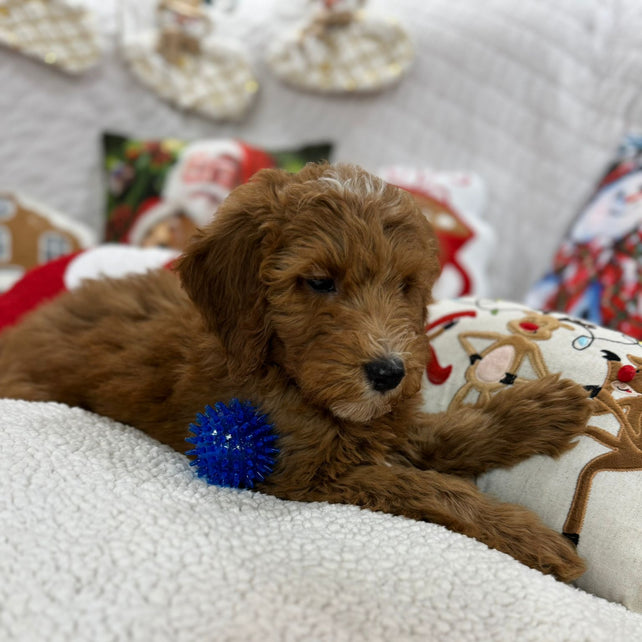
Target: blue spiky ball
[234,445]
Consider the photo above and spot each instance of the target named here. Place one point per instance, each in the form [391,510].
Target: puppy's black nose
[385,374]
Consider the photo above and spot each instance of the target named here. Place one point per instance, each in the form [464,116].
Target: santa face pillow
[160,191]
[206,172]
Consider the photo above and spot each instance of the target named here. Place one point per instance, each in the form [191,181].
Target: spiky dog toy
[234,445]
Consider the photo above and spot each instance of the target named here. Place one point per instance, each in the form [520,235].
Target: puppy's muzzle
[385,374]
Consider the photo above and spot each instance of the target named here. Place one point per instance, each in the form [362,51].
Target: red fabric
[40,284]
[254,160]
[451,241]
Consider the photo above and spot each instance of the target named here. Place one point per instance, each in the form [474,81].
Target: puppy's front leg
[536,417]
[461,507]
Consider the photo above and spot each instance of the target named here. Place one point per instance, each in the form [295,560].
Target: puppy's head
[326,273]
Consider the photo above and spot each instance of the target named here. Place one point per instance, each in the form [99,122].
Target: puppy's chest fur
[317,448]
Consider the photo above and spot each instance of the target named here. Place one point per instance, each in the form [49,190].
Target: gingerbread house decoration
[32,234]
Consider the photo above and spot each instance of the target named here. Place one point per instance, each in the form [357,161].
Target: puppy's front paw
[547,413]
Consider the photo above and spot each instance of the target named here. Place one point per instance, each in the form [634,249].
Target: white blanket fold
[106,535]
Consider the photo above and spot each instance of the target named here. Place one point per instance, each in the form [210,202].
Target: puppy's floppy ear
[220,270]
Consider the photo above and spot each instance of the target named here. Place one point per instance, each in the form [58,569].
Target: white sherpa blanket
[106,535]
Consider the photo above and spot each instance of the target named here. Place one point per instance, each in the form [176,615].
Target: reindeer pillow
[592,493]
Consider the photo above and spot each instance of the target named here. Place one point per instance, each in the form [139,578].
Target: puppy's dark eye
[323,286]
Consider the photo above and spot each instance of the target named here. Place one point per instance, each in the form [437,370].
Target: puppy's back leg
[112,339]
[18,379]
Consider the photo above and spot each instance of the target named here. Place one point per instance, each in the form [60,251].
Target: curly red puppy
[306,295]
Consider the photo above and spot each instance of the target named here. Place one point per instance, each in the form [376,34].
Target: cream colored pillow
[592,493]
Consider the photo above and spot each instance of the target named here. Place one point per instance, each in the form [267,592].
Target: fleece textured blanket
[107,535]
